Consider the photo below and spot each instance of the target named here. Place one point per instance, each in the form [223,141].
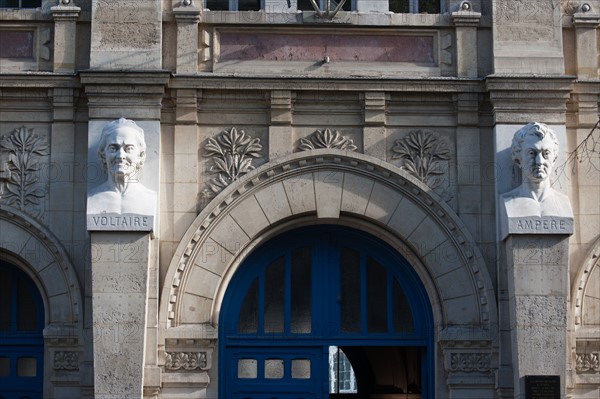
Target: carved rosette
[327,139]
[186,361]
[20,154]
[231,153]
[420,154]
[587,362]
[66,360]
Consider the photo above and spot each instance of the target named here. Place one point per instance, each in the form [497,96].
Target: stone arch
[586,289]
[33,248]
[330,186]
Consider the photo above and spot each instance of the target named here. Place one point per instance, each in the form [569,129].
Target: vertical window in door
[275,297]
[377,292]
[350,291]
[301,295]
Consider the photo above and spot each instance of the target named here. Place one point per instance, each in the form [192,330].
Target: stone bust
[535,150]
[122,152]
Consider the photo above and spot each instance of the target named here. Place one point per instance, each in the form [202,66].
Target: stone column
[65,44]
[466,21]
[586,22]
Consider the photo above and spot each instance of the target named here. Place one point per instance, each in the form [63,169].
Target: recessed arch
[34,249]
[325,186]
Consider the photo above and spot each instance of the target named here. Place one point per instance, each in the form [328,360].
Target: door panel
[277,373]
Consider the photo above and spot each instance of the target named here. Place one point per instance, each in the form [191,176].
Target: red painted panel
[16,44]
[313,47]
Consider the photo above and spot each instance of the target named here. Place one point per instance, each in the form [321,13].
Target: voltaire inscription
[122,202]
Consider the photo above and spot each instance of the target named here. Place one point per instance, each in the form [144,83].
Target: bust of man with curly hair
[535,150]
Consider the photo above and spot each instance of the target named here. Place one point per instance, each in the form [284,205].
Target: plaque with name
[542,387]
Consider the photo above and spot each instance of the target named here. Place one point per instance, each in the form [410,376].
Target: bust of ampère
[535,150]
[122,152]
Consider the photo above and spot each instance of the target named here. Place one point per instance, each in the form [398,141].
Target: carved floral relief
[66,360]
[326,139]
[470,362]
[19,170]
[587,362]
[175,361]
[232,153]
[420,153]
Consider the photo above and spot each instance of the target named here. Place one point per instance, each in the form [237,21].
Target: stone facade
[257,122]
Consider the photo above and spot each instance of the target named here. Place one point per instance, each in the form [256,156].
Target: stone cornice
[112,93]
[519,99]
[379,84]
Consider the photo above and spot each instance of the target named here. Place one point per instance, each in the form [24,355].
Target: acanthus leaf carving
[66,360]
[232,153]
[175,361]
[470,362]
[587,362]
[20,170]
[327,139]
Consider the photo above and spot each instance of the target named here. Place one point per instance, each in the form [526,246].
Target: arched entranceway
[321,187]
[321,287]
[21,339]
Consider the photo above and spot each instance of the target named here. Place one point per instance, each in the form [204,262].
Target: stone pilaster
[126,35]
[468,364]
[187,17]
[280,129]
[119,301]
[527,37]
[586,22]
[374,131]
[537,277]
[466,22]
[65,19]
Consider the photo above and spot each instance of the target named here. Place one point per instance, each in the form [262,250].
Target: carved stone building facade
[327,180]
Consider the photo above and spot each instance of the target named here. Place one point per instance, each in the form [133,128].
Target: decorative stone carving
[66,360]
[19,171]
[470,362]
[534,206]
[188,361]
[122,200]
[420,153]
[587,362]
[232,153]
[326,139]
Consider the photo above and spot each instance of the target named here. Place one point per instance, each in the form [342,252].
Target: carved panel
[20,154]
[470,362]
[232,153]
[587,362]
[186,361]
[66,360]
[326,139]
[420,153]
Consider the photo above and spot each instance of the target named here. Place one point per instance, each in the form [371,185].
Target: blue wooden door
[310,289]
[21,340]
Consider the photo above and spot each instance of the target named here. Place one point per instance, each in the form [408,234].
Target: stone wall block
[356,193]
[301,193]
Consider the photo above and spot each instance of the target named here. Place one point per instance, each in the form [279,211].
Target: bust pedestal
[120,265]
[536,257]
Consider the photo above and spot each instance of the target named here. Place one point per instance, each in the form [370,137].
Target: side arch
[325,186]
[586,290]
[34,249]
